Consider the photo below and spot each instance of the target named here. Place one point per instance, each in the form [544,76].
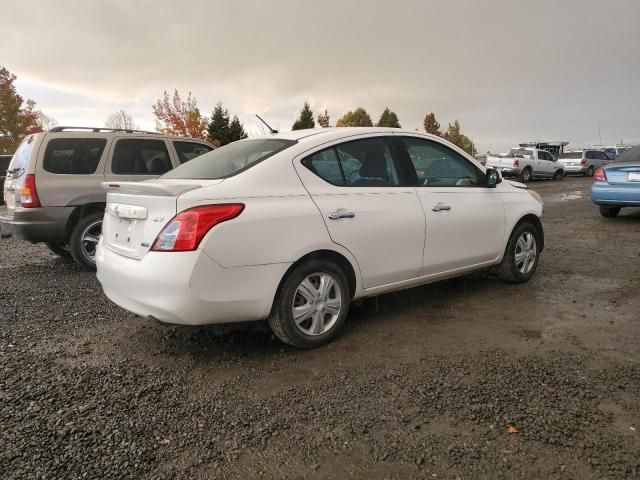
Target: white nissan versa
[294,226]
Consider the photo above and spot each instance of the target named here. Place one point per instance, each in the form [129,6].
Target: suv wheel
[525,176]
[559,175]
[590,171]
[84,240]
[61,249]
[609,212]
[312,305]
[522,254]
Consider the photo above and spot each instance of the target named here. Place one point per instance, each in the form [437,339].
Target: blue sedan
[617,184]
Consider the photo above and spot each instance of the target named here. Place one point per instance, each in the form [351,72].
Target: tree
[358,118]
[17,117]
[223,130]
[305,120]
[431,125]
[46,122]
[121,119]
[388,119]
[323,120]
[179,117]
[455,136]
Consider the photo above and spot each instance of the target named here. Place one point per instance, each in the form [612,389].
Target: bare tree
[121,119]
[46,121]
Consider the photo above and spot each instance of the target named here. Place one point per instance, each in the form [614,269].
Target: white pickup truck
[525,163]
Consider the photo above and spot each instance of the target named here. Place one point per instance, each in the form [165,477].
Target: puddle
[564,197]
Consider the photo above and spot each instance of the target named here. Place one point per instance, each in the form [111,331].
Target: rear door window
[73,156]
[189,150]
[325,165]
[133,156]
[368,163]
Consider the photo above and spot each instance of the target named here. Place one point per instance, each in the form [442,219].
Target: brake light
[187,229]
[516,163]
[599,175]
[583,161]
[29,194]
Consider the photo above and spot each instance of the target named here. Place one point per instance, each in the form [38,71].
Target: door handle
[440,208]
[338,214]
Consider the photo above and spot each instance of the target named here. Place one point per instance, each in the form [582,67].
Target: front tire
[608,211]
[311,306]
[84,240]
[522,254]
[559,175]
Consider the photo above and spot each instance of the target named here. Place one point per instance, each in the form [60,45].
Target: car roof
[321,135]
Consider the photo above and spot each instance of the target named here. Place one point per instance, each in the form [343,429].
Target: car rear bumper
[575,168]
[187,288]
[622,195]
[45,224]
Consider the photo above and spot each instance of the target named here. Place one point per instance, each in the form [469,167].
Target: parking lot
[469,378]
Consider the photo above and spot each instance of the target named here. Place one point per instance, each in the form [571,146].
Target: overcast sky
[509,70]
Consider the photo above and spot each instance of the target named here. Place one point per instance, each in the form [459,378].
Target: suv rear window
[572,155]
[189,150]
[140,157]
[18,163]
[73,156]
[230,160]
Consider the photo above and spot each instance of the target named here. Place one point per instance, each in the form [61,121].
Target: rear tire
[60,249]
[84,240]
[525,176]
[608,211]
[305,292]
[589,172]
[522,254]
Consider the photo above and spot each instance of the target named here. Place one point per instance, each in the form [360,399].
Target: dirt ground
[469,378]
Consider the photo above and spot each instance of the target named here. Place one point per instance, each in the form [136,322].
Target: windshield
[520,152]
[631,155]
[571,155]
[229,160]
[21,157]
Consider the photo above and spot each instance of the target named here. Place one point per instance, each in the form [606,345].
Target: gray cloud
[509,70]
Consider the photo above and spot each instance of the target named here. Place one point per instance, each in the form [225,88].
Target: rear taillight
[516,163]
[599,175]
[187,229]
[29,194]
[583,161]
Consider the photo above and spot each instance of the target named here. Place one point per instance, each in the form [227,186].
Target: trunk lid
[136,212]
[623,173]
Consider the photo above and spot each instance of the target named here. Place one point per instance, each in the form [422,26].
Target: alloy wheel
[317,303]
[89,240]
[526,252]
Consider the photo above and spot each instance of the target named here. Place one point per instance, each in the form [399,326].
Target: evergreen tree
[323,120]
[218,127]
[388,119]
[455,136]
[431,125]
[236,130]
[358,118]
[305,120]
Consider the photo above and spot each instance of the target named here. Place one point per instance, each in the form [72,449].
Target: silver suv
[585,162]
[53,190]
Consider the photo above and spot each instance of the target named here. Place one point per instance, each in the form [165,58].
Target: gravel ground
[469,378]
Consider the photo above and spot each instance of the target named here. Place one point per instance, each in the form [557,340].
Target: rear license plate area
[634,176]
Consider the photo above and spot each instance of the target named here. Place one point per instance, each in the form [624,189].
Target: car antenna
[271,130]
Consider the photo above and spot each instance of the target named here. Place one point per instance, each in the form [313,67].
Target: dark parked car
[4,166]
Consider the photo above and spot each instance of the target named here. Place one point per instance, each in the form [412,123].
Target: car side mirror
[492,178]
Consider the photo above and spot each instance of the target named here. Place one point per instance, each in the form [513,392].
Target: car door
[465,219]
[367,207]
[546,164]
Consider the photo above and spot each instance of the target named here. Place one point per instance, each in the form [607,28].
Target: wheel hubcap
[526,252]
[89,240]
[317,303]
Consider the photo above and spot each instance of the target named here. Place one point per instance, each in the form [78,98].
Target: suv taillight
[516,163]
[29,194]
[583,161]
[599,175]
[187,229]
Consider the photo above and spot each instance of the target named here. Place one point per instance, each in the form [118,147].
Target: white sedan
[293,227]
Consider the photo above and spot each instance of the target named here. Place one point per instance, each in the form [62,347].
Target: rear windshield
[19,161]
[631,155]
[571,155]
[520,152]
[229,160]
